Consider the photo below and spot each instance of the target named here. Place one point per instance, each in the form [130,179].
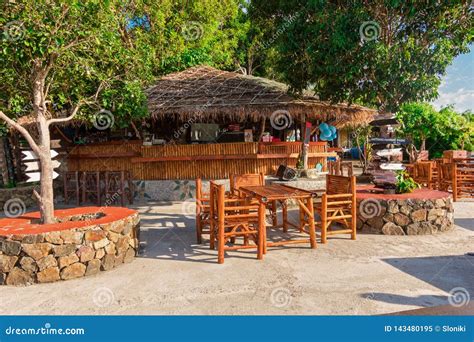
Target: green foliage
[116,46]
[405,184]
[381,53]
[437,130]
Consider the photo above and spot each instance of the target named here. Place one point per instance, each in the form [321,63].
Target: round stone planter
[421,212]
[86,241]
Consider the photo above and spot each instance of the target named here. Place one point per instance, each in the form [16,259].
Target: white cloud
[462,99]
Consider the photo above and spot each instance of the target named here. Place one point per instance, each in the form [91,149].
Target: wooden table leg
[262,209]
[312,232]
[274,214]
[285,216]
[261,231]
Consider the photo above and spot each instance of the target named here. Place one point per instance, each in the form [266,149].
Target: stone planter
[419,213]
[101,240]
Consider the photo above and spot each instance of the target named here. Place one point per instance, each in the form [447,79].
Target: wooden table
[281,193]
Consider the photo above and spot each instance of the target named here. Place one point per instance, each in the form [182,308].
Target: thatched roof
[211,93]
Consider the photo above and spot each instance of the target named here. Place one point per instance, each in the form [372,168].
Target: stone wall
[22,193]
[67,254]
[405,217]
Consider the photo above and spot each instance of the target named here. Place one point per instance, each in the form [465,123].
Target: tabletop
[277,192]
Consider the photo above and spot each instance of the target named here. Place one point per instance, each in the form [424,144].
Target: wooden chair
[71,185]
[424,173]
[117,187]
[338,204]
[253,179]
[457,177]
[202,211]
[232,218]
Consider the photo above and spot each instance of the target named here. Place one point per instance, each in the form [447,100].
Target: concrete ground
[375,274]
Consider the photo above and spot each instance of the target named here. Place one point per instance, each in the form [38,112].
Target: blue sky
[457,86]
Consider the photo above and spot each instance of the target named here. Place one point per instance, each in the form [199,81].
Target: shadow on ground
[453,274]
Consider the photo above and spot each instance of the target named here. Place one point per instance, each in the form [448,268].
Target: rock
[440,203]
[134,243]
[392,207]
[405,210]
[422,228]
[433,214]
[113,236]
[2,278]
[54,237]
[108,262]
[28,264]
[116,227]
[76,270]
[70,236]
[47,262]
[93,267]
[100,254]
[101,244]
[17,276]
[48,275]
[95,235]
[391,228]
[37,250]
[68,260]
[10,247]
[122,244]
[418,215]
[401,219]
[110,248]
[376,223]
[7,262]
[119,259]
[127,228]
[33,238]
[63,250]
[129,255]
[444,224]
[428,204]
[388,217]
[85,253]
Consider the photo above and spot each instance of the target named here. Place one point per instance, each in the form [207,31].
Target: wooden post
[324,207]
[353,208]
[262,128]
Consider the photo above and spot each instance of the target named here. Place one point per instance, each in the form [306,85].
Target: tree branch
[34,146]
[67,118]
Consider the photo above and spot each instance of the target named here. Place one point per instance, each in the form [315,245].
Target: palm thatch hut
[221,95]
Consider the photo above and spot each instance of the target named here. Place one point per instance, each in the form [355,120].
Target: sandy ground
[374,275]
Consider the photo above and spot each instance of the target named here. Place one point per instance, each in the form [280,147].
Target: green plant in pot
[405,184]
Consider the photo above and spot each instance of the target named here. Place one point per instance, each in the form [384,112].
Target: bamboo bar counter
[209,161]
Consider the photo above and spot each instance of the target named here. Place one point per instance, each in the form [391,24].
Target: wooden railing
[209,161]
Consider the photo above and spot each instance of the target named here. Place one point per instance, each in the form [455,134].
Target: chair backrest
[423,169]
[446,172]
[340,184]
[249,179]
[216,200]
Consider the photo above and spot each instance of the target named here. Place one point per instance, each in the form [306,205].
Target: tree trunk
[47,194]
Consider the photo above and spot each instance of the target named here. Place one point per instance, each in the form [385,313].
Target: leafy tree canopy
[107,51]
[381,53]
[434,130]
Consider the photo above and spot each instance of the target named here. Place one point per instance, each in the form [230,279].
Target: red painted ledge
[370,191]
[22,225]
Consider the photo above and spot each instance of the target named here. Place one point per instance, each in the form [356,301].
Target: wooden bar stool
[114,187]
[71,186]
[90,186]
